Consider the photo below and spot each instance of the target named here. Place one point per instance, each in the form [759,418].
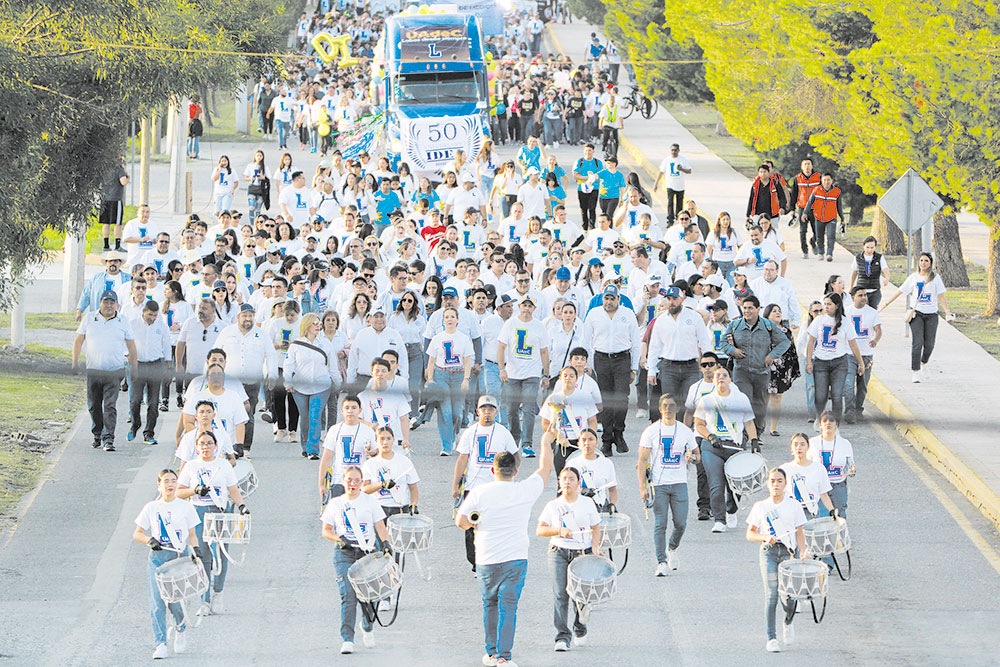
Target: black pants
[675,378]
[102,394]
[169,375]
[514,127]
[923,332]
[283,407]
[266,122]
[608,206]
[675,204]
[470,541]
[147,378]
[806,227]
[704,499]
[613,379]
[588,208]
[609,141]
[253,395]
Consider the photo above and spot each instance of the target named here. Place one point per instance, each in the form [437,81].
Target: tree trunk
[993,271]
[720,125]
[891,239]
[203,93]
[215,103]
[856,213]
[948,259]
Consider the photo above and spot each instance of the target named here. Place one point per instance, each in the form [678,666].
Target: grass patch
[42,404]
[53,240]
[62,321]
[700,120]
[967,303]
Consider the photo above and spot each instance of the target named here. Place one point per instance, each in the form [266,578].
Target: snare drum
[246,477]
[825,536]
[616,531]
[591,580]
[226,528]
[181,579]
[409,533]
[374,577]
[802,579]
[746,473]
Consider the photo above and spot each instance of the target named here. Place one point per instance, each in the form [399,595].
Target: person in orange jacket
[824,203]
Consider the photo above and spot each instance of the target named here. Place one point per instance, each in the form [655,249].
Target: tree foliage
[74,75]
[591,11]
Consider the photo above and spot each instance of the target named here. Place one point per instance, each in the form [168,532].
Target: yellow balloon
[324,129]
[424,9]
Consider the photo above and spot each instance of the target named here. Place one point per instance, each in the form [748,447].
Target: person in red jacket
[803,185]
[824,203]
[767,197]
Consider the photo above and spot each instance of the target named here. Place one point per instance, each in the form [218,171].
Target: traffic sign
[910,202]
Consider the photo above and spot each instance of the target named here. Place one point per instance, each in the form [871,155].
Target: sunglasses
[816,312]
[708,364]
[523,280]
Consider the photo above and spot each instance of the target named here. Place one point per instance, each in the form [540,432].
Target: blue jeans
[551,130]
[856,388]
[193,144]
[559,560]
[726,269]
[224,202]
[491,378]
[256,205]
[575,129]
[157,608]
[829,375]
[720,495]
[501,585]
[209,554]
[452,400]
[810,390]
[523,395]
[342,561]
[415,359]
[310,418]
[769,561]
[672,498]
[282,132]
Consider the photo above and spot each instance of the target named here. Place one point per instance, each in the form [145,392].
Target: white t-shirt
[597,474]
[806,483]
[779,520]
[927,293]
[450,350]
[830,345]
[349,445]
[481,444]
[525,342]
[863,321]
[282,108]
[835,456]
[229,410]
[533,198]
[224,185]
[504,507]
[187,452]
[671,170]
[216,474]
[668,445]
[599,239]
[580,517]
[169,523]
[724,247]
[588,385]
[385,408]
[146,233]
[398,468]
[725,415]
[759,256]
[579,407]
[297,200]
[354,520]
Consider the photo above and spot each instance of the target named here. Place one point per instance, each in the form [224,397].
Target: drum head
[744,464]
[803,568]
[368,567]
[613,522]
[178,568]
[592,568]
[408,522]
[823,525]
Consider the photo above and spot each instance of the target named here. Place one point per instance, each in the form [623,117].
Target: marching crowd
[355,302]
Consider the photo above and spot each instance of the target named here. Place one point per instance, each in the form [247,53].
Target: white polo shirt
[105,346]
[505,508]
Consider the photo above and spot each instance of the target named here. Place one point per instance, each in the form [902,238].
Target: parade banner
[430,143]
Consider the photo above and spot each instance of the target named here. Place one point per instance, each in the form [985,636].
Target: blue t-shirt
[558,171]
[530,157]
[585,168]
[385,203]
[611,184]
[431,197]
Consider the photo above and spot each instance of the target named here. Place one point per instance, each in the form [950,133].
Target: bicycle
[636,99]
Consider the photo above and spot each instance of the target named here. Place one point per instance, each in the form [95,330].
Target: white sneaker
[204,609]
[788,634]
[772,646]
[916,377]
[672,559]
[731,521]
[293,436]
[368,638]
[180,642]
[282,436]
[161,652]
[661,569]
[718,527]
[347,647]
[580,641]
[642,414]
[562,646]
[489,660]
[555,145]
[218,606]
[505,663]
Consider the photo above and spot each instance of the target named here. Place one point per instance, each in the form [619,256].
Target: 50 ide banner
[434,42]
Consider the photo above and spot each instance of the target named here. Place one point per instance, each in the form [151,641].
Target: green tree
[74,76]
[591,11]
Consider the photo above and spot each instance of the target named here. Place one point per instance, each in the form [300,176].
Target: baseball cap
[313,237]
[109,295]
[468,178]
[218,284]
[377,311]
[504,300]
[318,218]
[247,308]
[298,279]
[449,291]
[740,270]
[595,261]
[653,280]
[532,170]
[485,400]
[471,209]
[611,289]
[741,292]
[190,257]
[273,248]
[715,280]
[719,304]
[526,299]
[563,273]
[673,291]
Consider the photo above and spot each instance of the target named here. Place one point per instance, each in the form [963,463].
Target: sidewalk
[953,427]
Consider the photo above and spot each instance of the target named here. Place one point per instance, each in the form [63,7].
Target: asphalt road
[73,587]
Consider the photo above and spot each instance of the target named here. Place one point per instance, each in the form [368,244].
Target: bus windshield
[436,88]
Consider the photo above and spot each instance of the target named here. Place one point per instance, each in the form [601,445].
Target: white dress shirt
[780,292]
[680,339]
[250,357]
[152,341]
[611,334]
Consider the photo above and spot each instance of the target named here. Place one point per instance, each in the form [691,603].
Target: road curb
[946,462]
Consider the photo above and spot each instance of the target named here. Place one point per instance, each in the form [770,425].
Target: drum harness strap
[370,609]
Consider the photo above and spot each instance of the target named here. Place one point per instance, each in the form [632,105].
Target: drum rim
[398,519]
[799,567]
[745,456]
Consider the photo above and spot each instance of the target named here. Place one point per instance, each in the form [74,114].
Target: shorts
[111,213]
